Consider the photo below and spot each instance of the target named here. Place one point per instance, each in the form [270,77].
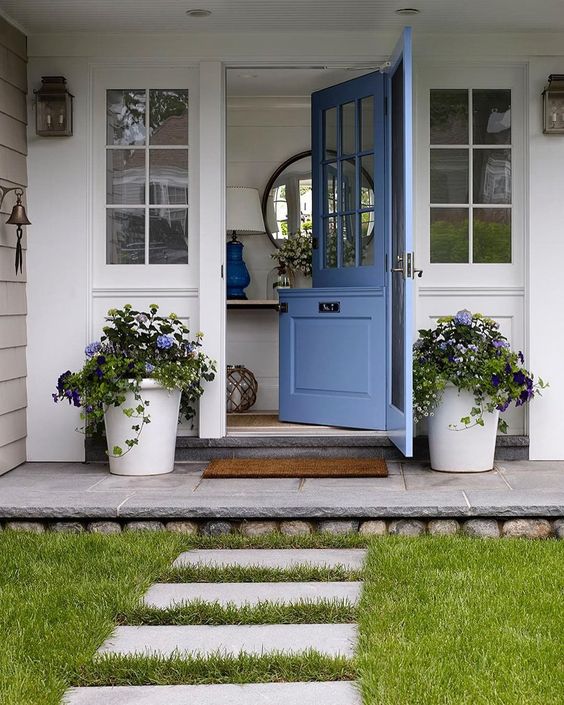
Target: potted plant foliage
[464,375]
[136,379]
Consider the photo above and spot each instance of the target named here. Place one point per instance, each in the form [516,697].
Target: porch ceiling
[62,16]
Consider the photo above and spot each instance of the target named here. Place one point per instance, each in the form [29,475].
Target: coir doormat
[296,467]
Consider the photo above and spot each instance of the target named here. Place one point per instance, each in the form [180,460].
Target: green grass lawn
[442,620]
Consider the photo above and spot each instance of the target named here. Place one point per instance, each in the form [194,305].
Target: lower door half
[333,357]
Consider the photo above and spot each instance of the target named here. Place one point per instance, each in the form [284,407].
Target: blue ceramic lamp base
[238,277]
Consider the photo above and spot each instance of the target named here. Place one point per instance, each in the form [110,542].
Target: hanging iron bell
[18,218]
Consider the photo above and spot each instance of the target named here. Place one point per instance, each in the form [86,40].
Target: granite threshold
[195,449]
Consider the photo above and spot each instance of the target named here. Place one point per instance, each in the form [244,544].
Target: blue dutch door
[344,358]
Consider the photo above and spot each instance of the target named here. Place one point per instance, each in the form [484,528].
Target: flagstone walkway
[231,640]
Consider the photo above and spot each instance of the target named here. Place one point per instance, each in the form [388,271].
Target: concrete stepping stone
[350,558]
[165,595]
[330,693]
[231,640]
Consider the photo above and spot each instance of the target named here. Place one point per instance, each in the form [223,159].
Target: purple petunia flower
[503,407]
[519,377]
[164,342]
[89,409]
[92,348]
[521,357]
[463,318]
[495,380]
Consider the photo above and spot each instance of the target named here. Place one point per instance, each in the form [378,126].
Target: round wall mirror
[286,201]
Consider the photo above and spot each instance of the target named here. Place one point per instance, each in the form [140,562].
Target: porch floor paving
[88,491]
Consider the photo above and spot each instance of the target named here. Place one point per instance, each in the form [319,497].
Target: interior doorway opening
[268,147]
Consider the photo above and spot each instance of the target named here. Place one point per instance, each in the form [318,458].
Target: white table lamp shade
[244,214]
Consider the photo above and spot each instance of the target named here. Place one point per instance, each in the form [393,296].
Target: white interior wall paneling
[57,266]
[546,284]
[13,172]
[261,134]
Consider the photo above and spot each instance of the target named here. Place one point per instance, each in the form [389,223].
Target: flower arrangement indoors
[464,375]
[136,379]
[295,253]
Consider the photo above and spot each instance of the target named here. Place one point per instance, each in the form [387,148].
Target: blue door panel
[333,364]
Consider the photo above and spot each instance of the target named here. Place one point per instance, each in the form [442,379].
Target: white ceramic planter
[154,455]
[465,450]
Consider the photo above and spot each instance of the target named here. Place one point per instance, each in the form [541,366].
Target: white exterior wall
[59,266]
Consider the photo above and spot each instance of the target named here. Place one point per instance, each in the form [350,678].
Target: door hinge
[222,271]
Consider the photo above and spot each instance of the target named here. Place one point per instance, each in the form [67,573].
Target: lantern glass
[53,108]
[553,105]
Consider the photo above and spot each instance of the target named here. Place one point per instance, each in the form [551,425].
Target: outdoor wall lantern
[53,108]
[553,105]
[18,218]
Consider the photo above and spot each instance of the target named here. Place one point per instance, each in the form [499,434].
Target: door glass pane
[449,235]
[367,124]
[168,176]
[449,117]
[125,236]
[367,182]
[330,133]
[492,235]
[348,184]
[348,242]
[330,187]
[168,236]
[168,112]
[125,119]
[125,176]
[330,245]
[348,128]
[367,238]
[491,116]
[449,176]
[492,176]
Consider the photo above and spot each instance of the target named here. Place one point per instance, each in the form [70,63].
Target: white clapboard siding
[13,395]
[12,455]
[12,332]
[13,172]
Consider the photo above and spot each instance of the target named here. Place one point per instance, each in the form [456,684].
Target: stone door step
[351,559]
[338,693]
[231,640]
[165,595]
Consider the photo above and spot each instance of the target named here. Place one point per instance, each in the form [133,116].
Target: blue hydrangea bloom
[149,368]
[500,344]
[463,318]
[164,342]
[92,348]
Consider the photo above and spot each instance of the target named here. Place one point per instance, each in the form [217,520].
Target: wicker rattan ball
[242,388]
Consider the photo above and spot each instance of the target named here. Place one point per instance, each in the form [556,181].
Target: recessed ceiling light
[198,13]
[407,11]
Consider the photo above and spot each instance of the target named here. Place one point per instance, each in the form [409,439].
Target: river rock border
[479,528]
